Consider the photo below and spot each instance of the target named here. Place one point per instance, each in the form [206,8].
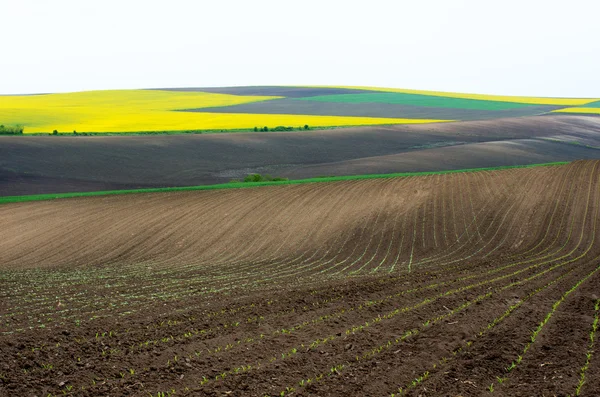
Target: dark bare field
[33,165]
[441,285]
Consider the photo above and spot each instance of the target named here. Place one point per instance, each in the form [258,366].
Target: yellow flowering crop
[579,110]
[152,110]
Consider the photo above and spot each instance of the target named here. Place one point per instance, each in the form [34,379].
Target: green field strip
[239,185]
[419,100]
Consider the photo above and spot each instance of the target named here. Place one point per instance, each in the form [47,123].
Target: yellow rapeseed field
[152,110]
[482,97]
[579,110]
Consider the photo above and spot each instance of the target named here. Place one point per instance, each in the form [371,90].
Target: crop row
[372,352]
[590,349]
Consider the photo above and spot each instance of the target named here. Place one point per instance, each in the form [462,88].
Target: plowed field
[470,284]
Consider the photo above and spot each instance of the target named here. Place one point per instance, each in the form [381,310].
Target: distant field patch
[583,110]
[484,97]
[592,105]
[419,100]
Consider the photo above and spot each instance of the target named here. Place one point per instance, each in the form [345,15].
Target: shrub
[282,128]
[8,130]
[55,132]
[253,178]
[255,129]
[261,178]
[306,126]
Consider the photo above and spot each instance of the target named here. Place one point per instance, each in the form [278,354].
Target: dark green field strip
[288,92]
[374,109]
[238,185]
[591,105]
[419,100]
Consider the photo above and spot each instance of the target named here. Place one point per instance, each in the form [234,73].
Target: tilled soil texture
[469,284]
[45,164]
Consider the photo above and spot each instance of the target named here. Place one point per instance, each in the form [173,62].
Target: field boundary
[240,185]
[209,131]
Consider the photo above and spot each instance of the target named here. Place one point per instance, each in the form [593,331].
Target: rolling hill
[388,286]
[244,108]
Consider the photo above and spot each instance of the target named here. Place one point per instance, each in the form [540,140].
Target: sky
[508,47]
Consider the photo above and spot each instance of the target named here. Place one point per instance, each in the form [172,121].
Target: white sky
[520,47]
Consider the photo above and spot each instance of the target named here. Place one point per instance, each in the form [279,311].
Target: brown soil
[422,286]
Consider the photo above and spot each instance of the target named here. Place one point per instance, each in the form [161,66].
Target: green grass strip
[239,185]
[419,100]
[590,105]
